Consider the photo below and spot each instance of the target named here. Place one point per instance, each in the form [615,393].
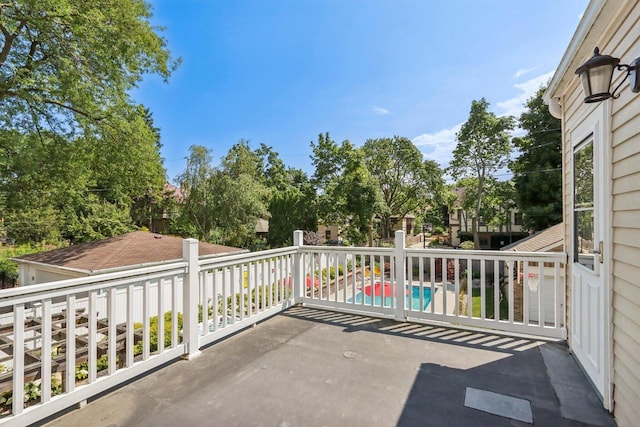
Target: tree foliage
[348,194]
[79,156]
[482,148]
[538,168]
[407,183]
[222,204]
[197,212]
[67,65]
[292,207]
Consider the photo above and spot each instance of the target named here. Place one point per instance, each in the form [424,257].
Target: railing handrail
[93,281]
[226,260]
[348,249]
[487,254]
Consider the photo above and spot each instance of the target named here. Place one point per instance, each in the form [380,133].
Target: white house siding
[625,202]
[616,32]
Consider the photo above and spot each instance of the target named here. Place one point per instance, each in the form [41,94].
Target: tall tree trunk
[476,238]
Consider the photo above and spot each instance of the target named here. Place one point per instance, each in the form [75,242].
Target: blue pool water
[388,301]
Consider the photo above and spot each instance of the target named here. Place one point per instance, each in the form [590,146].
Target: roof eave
[577,41]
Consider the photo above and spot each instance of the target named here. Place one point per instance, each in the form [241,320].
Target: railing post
[298,280]
[190,292]
[400,275]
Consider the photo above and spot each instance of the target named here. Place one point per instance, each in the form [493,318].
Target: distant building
[491,237]
[262,228]
[405,223]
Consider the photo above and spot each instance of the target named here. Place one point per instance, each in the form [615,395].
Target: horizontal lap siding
[625,203]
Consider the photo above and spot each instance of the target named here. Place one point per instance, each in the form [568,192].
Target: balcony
[359,336]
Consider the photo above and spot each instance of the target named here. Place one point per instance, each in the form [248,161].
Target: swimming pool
[388,300]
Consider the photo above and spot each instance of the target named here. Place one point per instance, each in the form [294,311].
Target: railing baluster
[407,289]
[146,317]
[204,279]
[445,281]
[70,369]
[526,283]
[432,279]
[92,320]
[174,311]
[420,283]
[456,278]
[255,289]
[218,316]
[45,353]
[496,290]
[483,290]
[18,359]
[225,298]
[112,331]
[509,265]
[270,283]
[161,310]
[469,262]
[363,270]
[232,291]
[336,277]
[541,281]
[559,296]
[240,283]
[130,326]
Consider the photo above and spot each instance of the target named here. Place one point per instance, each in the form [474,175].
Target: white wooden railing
[507,291]
[63,342]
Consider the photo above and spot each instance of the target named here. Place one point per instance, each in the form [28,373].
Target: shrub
[10,268]
[467,245]
[153,332]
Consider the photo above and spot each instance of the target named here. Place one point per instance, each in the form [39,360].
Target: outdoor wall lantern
[596,75]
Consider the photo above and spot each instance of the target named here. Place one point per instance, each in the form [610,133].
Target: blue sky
[280,72]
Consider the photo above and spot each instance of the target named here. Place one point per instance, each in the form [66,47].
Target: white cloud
[523,71]
[380,111]
[438,146]
[515,106]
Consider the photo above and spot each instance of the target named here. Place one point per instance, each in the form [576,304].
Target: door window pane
[583,207]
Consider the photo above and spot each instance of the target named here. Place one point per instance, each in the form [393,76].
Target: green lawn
[477,304]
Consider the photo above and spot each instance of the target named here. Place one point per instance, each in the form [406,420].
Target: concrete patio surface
[309,367]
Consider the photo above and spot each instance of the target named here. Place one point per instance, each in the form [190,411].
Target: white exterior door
[589,302]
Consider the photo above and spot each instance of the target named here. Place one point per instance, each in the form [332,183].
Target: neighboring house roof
[262,225]
[549,240]
[136,248]
[177,192]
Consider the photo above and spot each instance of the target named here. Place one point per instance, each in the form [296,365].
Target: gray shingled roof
[549,240]
[130,249]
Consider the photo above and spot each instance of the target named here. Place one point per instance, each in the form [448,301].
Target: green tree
[359,196]
[348,194]
[407,182]
[538,169]
[483,147]
[66,71]
[68,65]
[292,207]
[329,160]
[241,197]
[197,213]
[222,205]
[499,204]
